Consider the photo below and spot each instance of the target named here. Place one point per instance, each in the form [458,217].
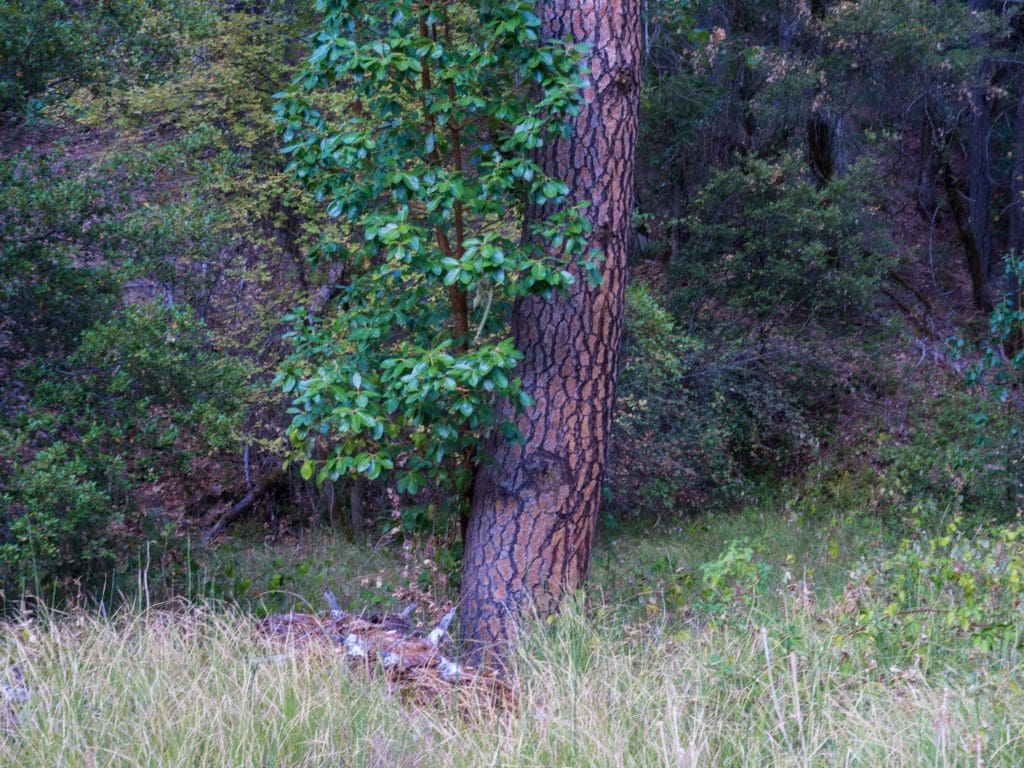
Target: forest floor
[832,620]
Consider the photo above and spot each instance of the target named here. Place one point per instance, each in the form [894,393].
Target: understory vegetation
[222,394]
[798,631]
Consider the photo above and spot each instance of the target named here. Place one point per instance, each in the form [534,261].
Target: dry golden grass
[201,688]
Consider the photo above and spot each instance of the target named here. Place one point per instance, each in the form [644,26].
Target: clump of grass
[193,688]
[199,687]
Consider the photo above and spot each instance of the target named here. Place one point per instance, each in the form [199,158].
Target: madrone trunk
[535,503]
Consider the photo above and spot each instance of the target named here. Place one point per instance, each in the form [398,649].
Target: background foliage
[794,237]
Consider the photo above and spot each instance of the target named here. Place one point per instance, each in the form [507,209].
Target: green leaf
[380,174]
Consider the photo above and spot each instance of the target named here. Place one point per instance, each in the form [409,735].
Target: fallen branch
[902,281]
[323,295]
[411,660]
[911,315]
[320,299]
[337,614]
[440,632]
[255,494]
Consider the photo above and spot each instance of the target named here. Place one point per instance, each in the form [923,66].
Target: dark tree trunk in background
[980,178]
[675,230]
[791,18]
[819,147]
[825,145]
[1015,237]
[1015,241]
[975,267]
[355,506]
[535,504]
[980,158]
[927,172]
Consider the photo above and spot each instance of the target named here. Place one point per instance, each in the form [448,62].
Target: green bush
[39,41]
[768,242]
[999,372]
[142,394]
[695,417]
[54,526]
[731,373]
[57,246]
[176,195]
[147,381]
[49,42]
[938,590]
[955,459]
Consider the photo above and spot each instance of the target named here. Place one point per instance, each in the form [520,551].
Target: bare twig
[438,634]
[265,483]
[336,610]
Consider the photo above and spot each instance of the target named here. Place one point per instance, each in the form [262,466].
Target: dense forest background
[828,198]
[810,548]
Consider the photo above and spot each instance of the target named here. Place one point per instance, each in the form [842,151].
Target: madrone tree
[478,157]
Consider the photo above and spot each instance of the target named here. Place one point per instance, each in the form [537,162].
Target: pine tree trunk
[535,504]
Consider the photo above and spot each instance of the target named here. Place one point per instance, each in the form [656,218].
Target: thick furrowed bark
[1015,238]
[535,504]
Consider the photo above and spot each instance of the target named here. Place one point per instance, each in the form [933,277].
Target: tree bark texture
[535,503]
[825,145]
[980,181]
[1015,239]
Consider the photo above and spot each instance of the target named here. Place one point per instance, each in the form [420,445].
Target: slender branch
[483,317]
[456,297]
[258,491]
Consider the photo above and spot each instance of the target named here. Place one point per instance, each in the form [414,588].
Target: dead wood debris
[417,664]
[257,492]
[13,696]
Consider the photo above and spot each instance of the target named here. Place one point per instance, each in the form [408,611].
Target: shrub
[769,243]
[54,524]
[938,590]
[38,41]
[54,230]
[1000,371]
[140,380]
[142,393]
[45,42]
[695,417]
